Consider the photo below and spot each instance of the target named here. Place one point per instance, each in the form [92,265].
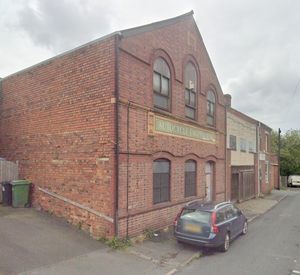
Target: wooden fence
[8,170]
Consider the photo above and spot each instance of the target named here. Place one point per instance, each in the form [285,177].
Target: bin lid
[20,182]
[5,182]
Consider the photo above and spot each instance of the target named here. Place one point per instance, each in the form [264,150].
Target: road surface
[272,246]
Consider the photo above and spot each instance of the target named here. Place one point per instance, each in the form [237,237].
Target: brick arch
[210,158]
[163,54]
[191,156]
[162,154]
[219,96]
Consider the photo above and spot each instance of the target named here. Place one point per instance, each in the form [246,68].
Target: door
[209,181]
[234,186]
[247,185]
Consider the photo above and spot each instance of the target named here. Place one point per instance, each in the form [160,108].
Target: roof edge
[257,122]
[158,24]
[124,33]
[239,113]
[100,39]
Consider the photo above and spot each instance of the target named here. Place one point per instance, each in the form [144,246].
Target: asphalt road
[272,246]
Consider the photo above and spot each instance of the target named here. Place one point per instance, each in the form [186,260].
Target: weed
[149,234]
[117,243]
[102,239]
[79,225]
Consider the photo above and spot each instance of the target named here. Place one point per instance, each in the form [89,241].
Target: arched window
[161,84]
[161,180]
[211,108]
[190,84]
[190,178]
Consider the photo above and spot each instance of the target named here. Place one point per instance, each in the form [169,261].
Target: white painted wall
[241,129]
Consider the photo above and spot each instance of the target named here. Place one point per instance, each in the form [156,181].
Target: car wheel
[225,245]
[245,228]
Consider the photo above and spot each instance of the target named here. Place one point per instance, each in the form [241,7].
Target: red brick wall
[228,174]
[136,58]
[267,187]
[57,121]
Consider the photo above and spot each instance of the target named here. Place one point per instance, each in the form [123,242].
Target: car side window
[230,213]
[220,216]
[235,211]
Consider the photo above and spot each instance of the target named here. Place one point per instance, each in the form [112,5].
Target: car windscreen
[194,215]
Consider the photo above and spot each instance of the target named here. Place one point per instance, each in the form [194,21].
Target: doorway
[209,179]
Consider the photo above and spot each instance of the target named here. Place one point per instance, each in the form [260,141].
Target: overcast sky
[254,45]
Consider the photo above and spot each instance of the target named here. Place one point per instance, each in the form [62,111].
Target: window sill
[191,119]
[211,126]
[161,111]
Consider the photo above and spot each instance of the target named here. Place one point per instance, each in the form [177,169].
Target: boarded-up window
[161,84]
[161,180]
[190,178]
[251,147]
[243,145]
[232,142]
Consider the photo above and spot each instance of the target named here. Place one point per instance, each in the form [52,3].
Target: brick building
[268,167]
[251,167]
[118,134]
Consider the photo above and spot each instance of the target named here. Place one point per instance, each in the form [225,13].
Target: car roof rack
[193,201]
[221,204]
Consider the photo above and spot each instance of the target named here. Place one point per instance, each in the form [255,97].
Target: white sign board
[262,156]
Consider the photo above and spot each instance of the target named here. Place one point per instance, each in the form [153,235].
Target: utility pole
[279,148]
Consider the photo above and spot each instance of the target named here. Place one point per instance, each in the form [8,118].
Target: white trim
[76,204]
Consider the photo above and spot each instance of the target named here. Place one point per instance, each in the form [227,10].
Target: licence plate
[194,228]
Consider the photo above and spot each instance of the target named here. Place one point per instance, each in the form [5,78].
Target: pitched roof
[124,33]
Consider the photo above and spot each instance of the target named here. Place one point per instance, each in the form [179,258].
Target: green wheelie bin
[20,193]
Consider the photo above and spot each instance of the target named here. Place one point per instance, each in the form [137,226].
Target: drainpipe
[226,157]
[278,156]
[117,41]
[258,154]
[127,174]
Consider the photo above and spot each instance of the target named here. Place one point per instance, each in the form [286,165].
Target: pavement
[255,207]
[33,242]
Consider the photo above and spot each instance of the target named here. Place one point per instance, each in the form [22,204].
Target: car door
[240,219]
[233,221]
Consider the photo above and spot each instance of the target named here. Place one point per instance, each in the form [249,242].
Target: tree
[290,152]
